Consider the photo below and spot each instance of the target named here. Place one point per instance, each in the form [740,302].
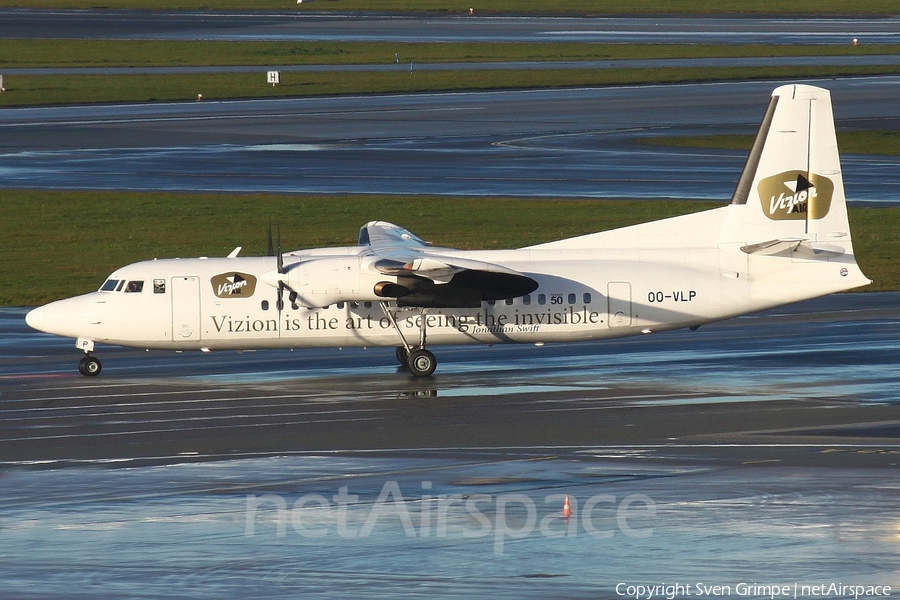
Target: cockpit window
[134,287]
[119,287]
[110,285]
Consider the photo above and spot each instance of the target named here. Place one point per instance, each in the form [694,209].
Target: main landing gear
[418,360]
[89,366]
[421,362]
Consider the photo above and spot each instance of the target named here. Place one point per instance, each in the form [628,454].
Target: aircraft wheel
[422,363]
[89,366]
[403,356]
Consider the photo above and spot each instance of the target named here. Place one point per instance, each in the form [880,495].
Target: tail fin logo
[795,196]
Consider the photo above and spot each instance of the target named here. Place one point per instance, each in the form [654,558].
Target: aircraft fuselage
[591,294]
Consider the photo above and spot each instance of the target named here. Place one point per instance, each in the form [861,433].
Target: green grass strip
[58,244]
[81,89]
[35,53]
[599,7]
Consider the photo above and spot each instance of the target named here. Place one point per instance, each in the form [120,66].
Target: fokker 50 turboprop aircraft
[784,237]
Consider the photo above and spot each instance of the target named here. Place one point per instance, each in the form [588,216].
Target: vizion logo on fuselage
[795,195]
[233,285]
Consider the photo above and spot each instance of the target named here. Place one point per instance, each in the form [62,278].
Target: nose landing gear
[89,366]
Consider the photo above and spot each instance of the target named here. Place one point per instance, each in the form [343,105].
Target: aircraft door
[619,298]
[185,309]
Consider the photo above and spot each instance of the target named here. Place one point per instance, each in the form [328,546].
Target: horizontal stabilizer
[772,247]
[794,248]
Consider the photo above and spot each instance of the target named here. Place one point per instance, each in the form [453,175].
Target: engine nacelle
[388,289]
[324,281]
[320,282]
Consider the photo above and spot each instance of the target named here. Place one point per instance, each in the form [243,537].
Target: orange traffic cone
[567,510]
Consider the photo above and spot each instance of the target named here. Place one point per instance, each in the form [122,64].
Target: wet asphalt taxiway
[297,25]
[759,451]
[755,458]
[566,143]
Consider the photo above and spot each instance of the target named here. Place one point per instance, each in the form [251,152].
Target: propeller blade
[270,248]
[279,255]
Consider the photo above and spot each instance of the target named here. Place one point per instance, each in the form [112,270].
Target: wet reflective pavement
[761,450]
[488,526]
[581,143]
[432,27]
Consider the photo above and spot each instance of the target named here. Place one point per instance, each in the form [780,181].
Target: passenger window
[526,299]
[110,285]
[340,305]
[491,302]
[587,298]
[572,298]
[264,305]
[509,301]
[542,299]
[159,286]
[134,287]
[367,304]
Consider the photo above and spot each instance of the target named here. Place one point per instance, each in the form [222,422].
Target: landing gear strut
[418,360]
[89,366]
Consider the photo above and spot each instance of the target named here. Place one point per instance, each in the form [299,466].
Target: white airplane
[783,238]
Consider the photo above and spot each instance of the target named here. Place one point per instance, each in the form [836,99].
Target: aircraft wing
[377,234]
[431,279]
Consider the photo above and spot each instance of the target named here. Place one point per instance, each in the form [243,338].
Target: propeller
[279,257]
[277,252]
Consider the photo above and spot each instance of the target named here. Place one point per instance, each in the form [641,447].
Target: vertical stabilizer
[791,186]
[786,228]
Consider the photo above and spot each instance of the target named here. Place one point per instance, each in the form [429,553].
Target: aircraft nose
[35,318]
